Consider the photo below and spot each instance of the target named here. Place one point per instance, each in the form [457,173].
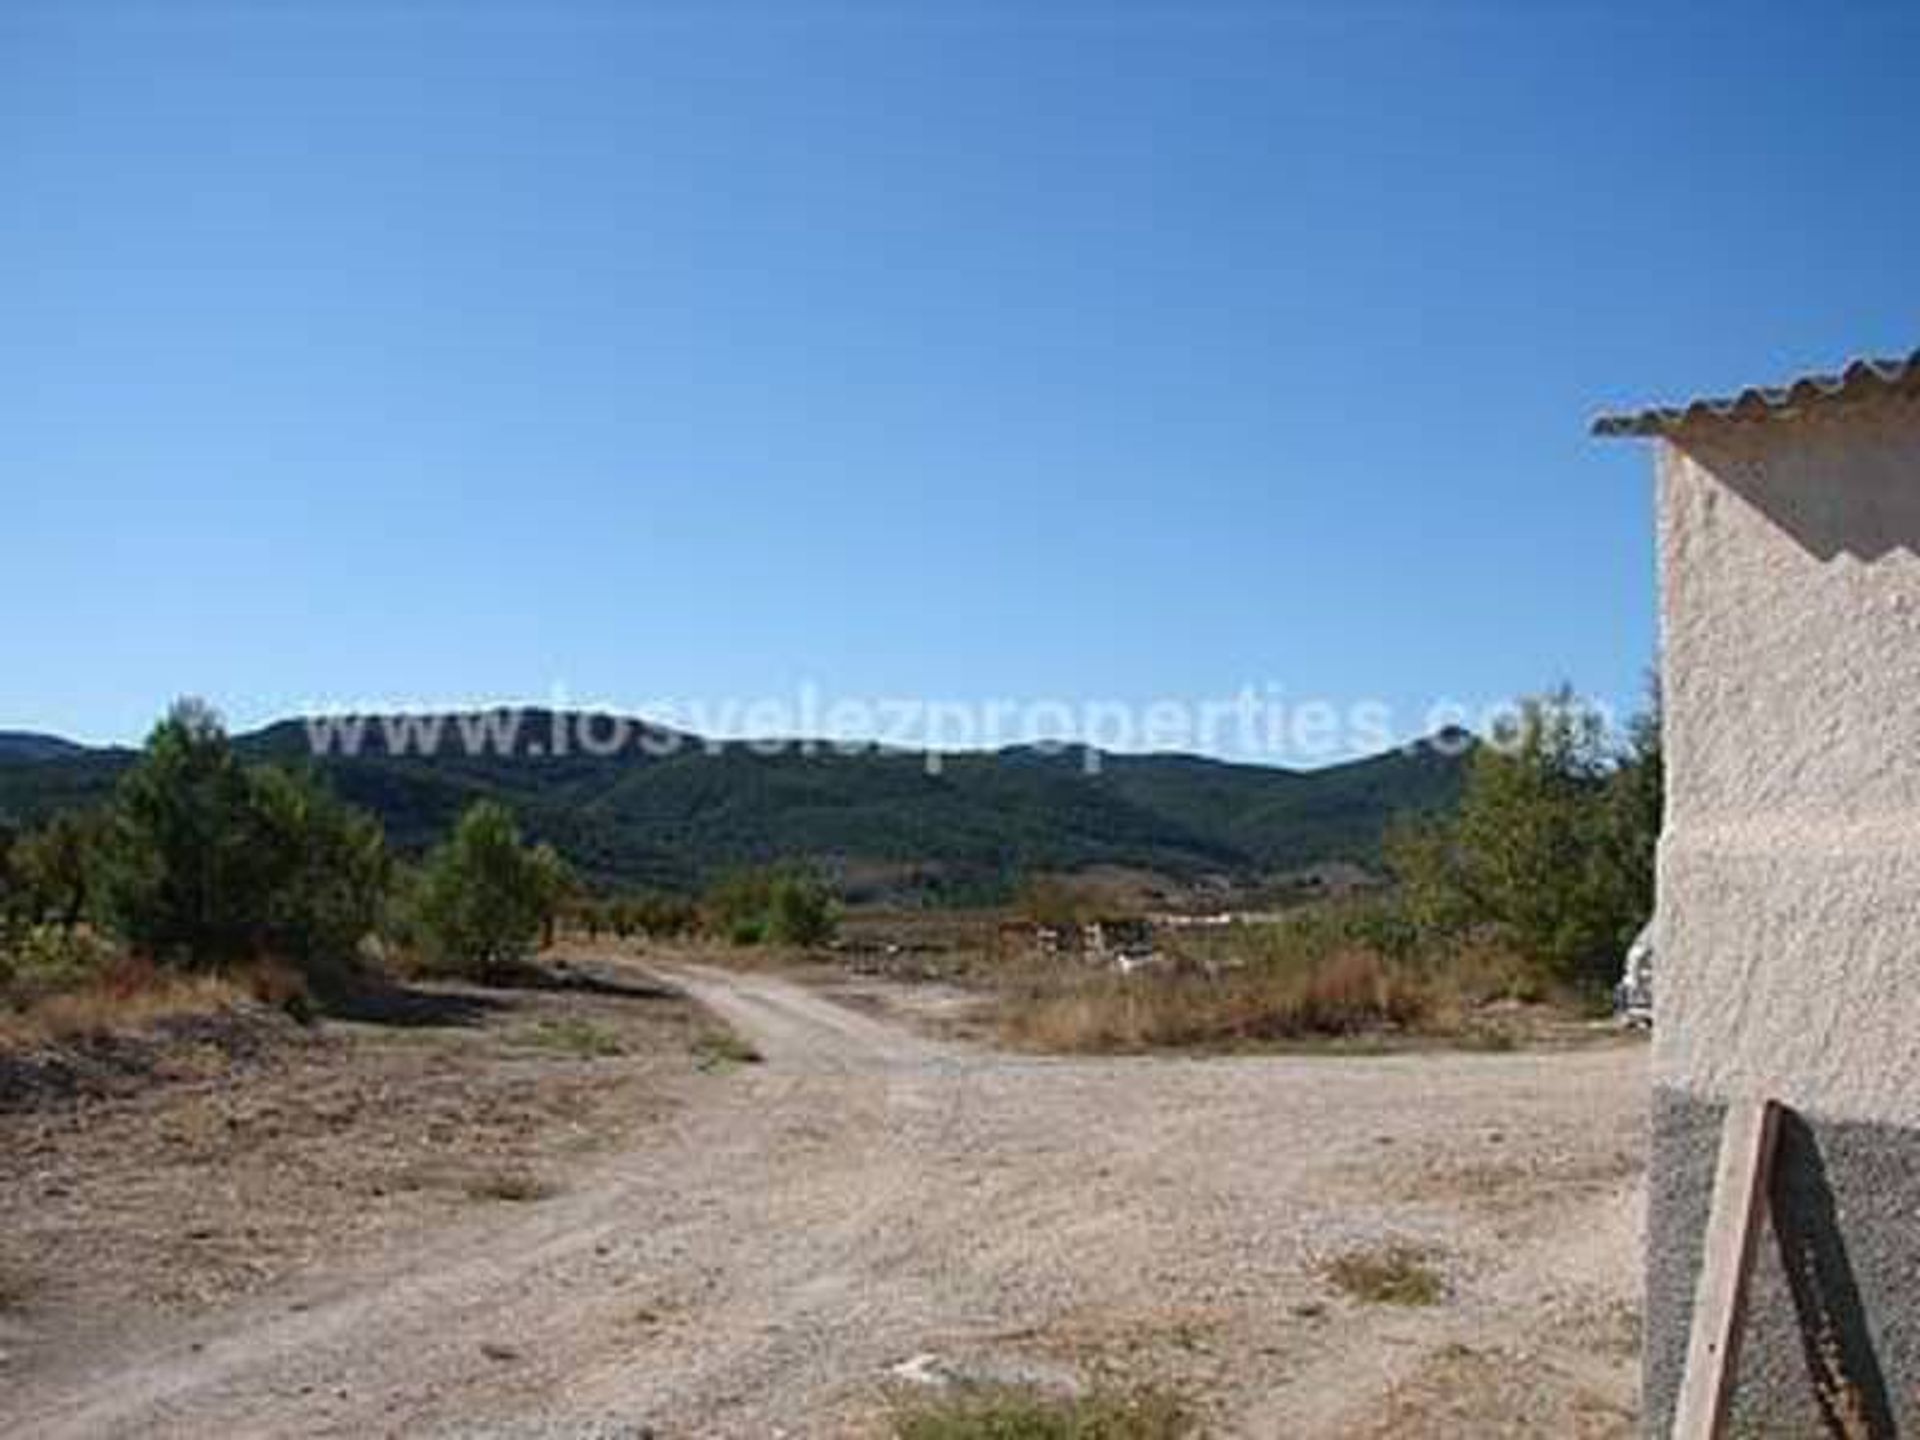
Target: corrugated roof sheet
[1860,380]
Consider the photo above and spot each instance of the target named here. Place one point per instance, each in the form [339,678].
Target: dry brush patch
[1348,974]
[130,1026]
[721,1049]
[573,1036]
[1459,1390]
[1012,1412]
[1397,1273]
[513,1185]
[127,998]
[1349,995]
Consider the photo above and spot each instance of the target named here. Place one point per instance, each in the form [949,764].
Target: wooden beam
[1739,1212]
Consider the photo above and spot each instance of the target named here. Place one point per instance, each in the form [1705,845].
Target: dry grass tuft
[1001,1412]
[1353,992]
[1395,1274]
[571,1035]
[722,1050]
[15,1289]
[128,997]
[512,1186]
[1357,972]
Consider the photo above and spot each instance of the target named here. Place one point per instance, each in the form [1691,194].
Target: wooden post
[1719,1304]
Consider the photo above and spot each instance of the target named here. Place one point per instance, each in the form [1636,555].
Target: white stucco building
[1789,904]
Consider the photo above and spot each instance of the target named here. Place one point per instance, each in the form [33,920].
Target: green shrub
[52,868]
[664,916]
[484,897]
[800,912]
[737,905]
[780,906]
[330,871]
[205,862]
[1552,845]
[53,957]
[571,1035]
[185,877]
[655,916]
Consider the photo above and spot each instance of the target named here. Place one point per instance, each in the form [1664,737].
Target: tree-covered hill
[642,817]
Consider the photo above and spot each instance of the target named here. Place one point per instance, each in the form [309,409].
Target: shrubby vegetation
[485,898]
[977,1411]
[961,838]
[52,868]
[1531,890]
[1337,970]
[652,916]
[200,862]
[1551,850]
[774,906]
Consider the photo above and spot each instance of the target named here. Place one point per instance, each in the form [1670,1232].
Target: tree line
[203,861]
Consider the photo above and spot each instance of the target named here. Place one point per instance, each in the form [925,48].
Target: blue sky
[434,352]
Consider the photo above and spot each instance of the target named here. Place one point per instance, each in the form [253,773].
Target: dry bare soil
[564,1215]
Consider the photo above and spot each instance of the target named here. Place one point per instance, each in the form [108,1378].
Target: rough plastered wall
[1789,924]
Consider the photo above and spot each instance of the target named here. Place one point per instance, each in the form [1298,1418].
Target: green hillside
[644,818]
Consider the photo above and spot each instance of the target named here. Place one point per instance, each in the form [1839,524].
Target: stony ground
[472,1228]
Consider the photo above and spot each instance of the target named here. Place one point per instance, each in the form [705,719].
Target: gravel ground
[760,1255]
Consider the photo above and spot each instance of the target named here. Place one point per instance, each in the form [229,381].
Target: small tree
[557,886]
[484,895]
[184,874]
[737,906]
[784,906]
[800,911]
[330,870]
[56,864]
[1635,806]
[663,916]
[1552,844]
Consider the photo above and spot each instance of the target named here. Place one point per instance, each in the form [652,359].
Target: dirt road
[869,1196]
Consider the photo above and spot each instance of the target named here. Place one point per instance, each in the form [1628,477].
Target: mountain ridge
[970,825]
[27,747]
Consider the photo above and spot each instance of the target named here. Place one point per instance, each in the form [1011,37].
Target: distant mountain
[24,746]
[672,814]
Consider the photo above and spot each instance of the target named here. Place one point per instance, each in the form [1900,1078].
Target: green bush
[737,905]
[13,902]
[778,906]
[52,957]
[1552,846]
[330,870]
[53,867]
[204,862]
[654,915]
[484,897]
[664,916]
[800,912]
[184,875]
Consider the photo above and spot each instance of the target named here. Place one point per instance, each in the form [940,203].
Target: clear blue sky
[443,351]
